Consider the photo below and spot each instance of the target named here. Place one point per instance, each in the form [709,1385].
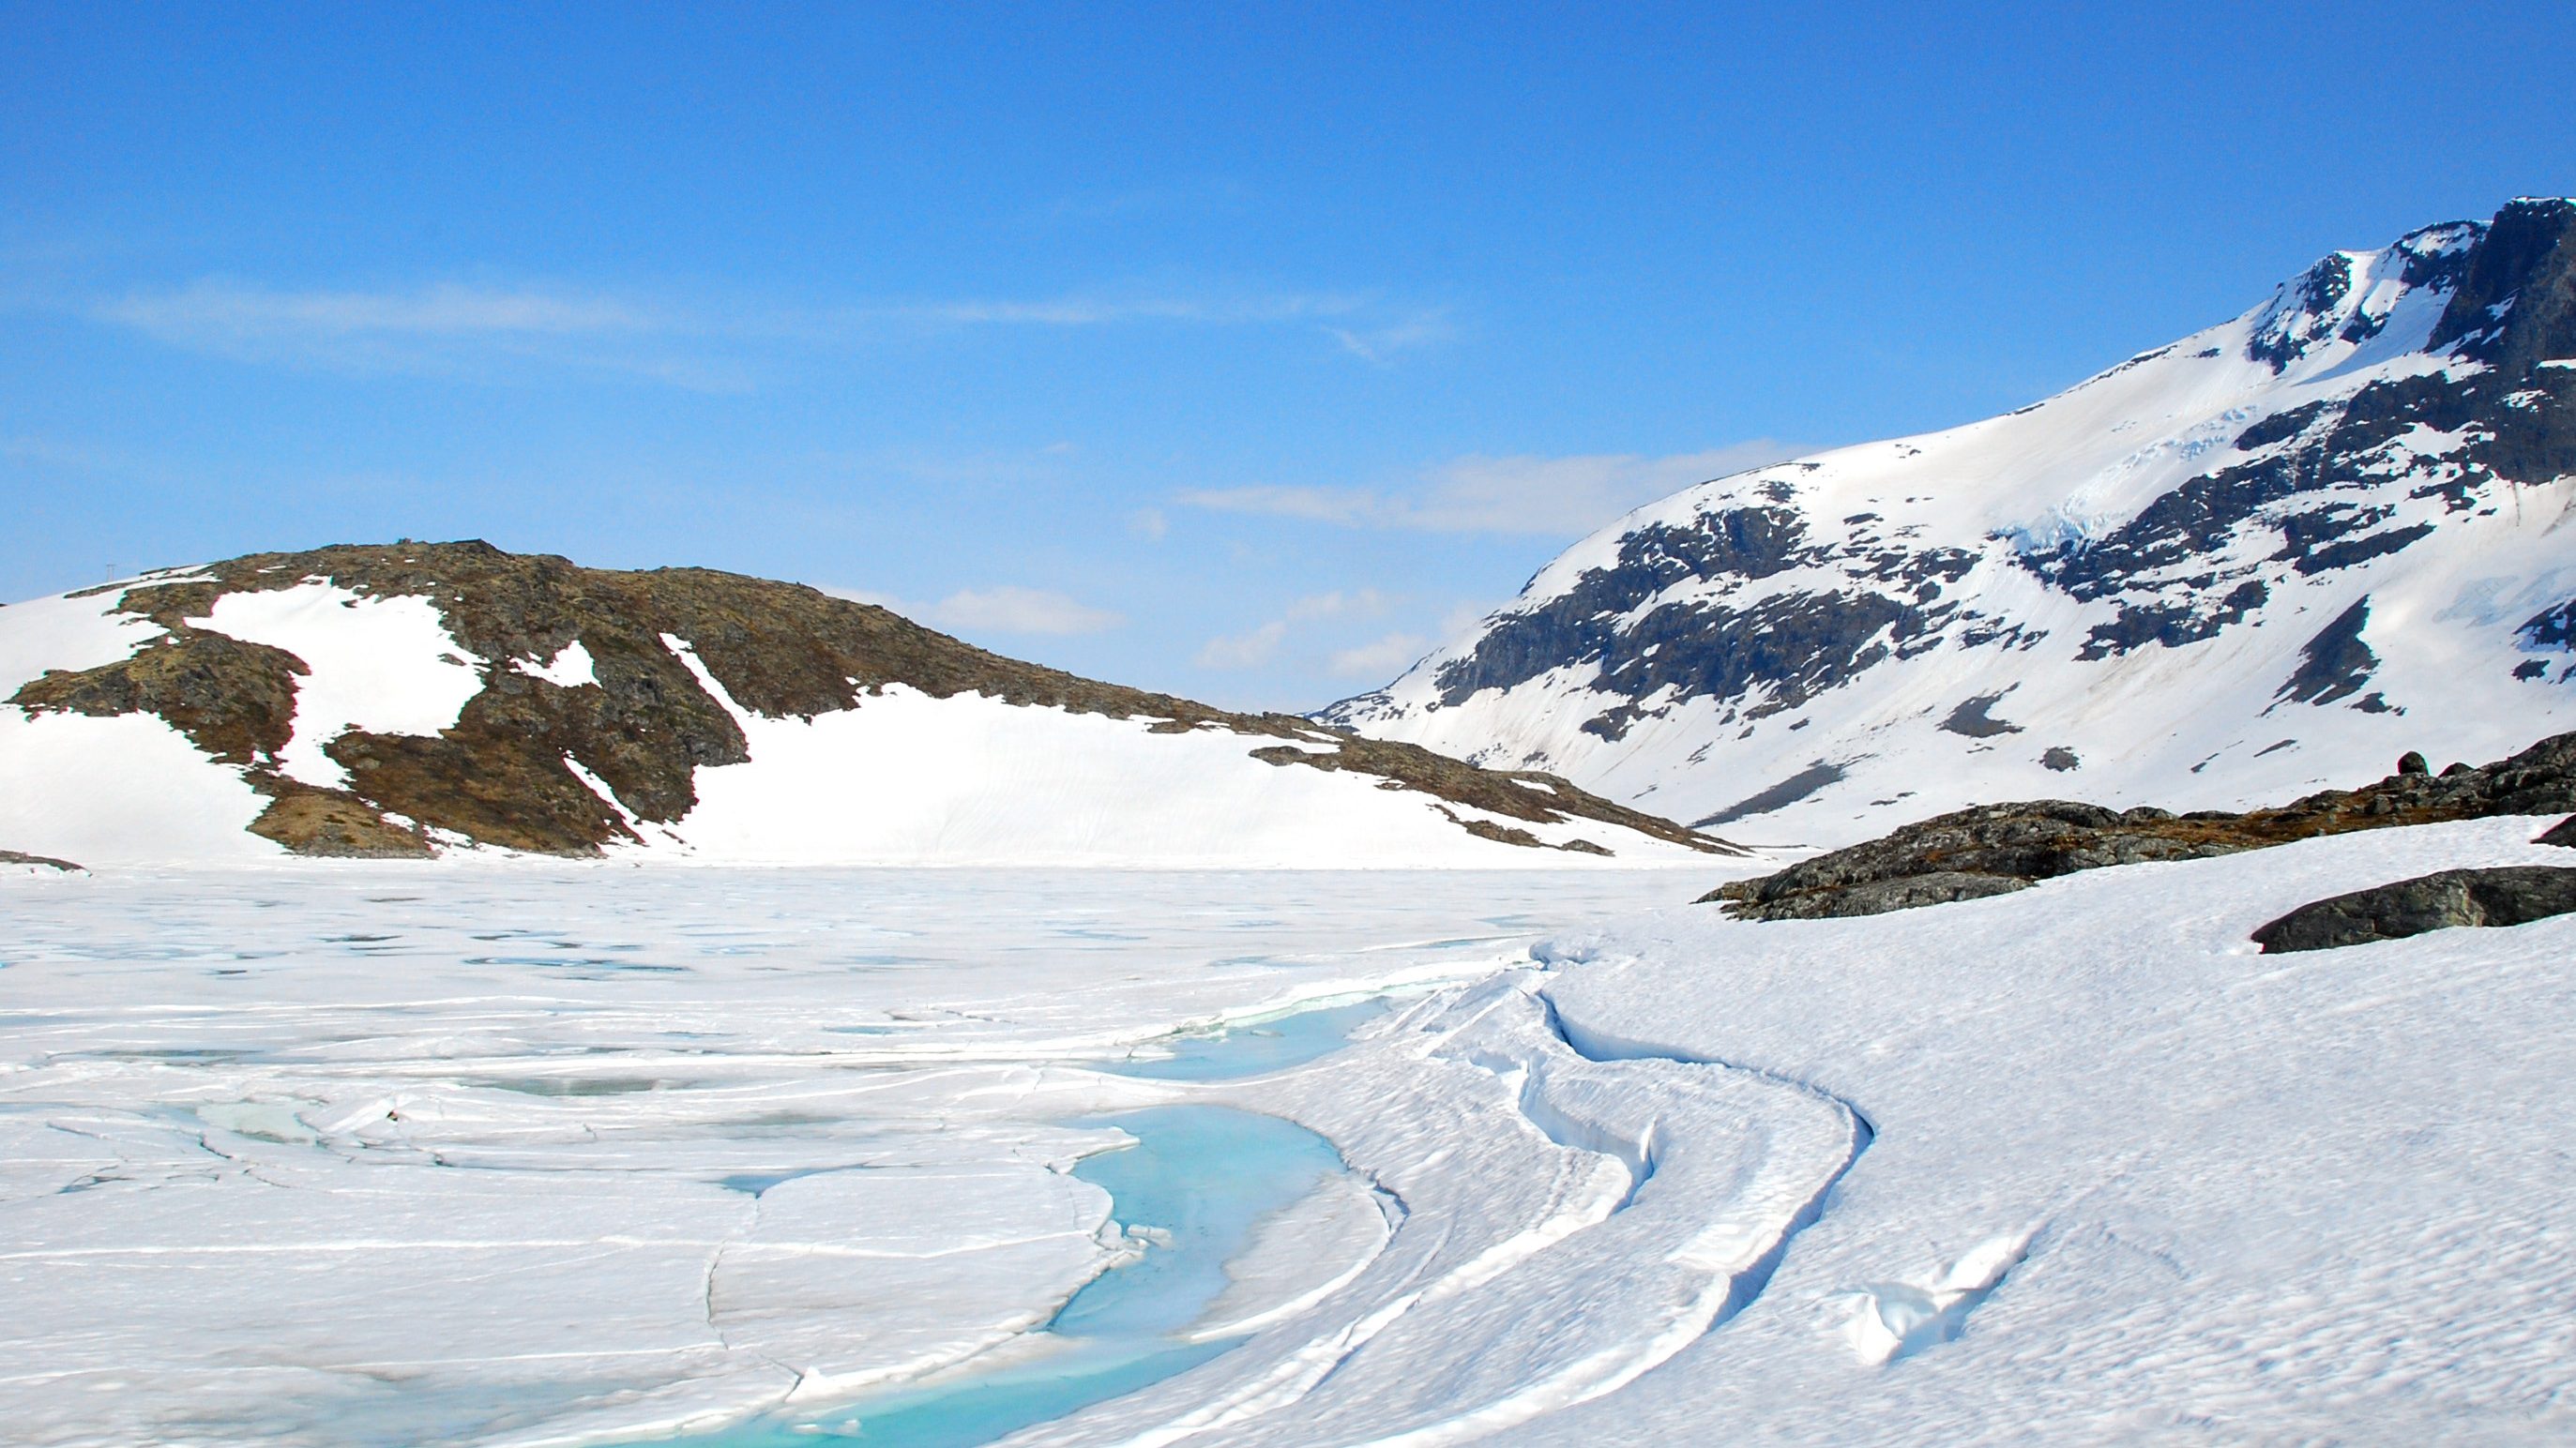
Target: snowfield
[564,1153]
[903,779]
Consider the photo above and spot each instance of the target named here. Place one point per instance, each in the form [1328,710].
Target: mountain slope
[2270,556]
[402,700]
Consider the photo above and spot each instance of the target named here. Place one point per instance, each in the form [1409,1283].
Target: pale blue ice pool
[1203,1174]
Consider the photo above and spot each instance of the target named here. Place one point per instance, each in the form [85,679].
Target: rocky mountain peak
[2251,560]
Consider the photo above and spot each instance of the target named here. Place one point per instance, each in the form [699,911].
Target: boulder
[2509,895]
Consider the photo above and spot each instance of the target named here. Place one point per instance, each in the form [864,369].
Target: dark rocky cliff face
[644,728]
[2514,310]
[1790,646]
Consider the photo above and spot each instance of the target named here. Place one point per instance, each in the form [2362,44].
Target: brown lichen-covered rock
[234,700]
[40,862]
[310,821]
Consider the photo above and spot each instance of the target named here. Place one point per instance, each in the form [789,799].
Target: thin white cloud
[1260,645]
[1013,610]
[1003,609]
[461,329]
[1378,344]
[229,309]
[445,329]
[1349,507]
[1359,603]
[1381,658]
[1113,309]
[1244,650]
[1149,524]
[1559,496]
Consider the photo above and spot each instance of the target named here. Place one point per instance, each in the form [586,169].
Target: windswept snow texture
[2337,518]
[568,1153]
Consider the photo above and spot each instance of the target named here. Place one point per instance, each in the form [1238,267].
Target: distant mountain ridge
[413,699]
[2269,556]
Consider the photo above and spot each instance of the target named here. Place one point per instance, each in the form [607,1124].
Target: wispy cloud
[445,310]
[1013,610]
[494,332]
[1244,650]
[1258,646]
[443,329]
[1003,609]
[1381,343]
[1380,658]
[1559,496]
[1221,309]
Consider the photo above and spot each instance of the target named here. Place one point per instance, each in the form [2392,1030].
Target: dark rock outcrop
[502,774]
[41,862]
[1994,849]
[2511,895]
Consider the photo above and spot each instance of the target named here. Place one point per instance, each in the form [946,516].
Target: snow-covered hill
[412,699]
[2270,556]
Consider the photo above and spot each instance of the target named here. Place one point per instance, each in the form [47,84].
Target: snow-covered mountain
[2272,555]
[412,699]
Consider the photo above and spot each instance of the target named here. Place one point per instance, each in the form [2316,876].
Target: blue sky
[1239,351]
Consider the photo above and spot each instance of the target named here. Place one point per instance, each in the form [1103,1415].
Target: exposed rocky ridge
[1999,848]
[2448,899]
[40,862]
[2376,452]
[644,725]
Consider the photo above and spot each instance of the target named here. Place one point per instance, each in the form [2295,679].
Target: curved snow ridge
[1568,1225]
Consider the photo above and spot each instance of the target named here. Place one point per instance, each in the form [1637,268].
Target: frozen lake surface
[382,1153]
[544,1154]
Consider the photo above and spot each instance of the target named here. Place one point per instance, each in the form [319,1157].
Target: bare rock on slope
[1995,849]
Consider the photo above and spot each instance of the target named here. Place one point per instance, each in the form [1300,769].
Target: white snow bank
[570,667]
[908,779]
[119,791]
[2132,1178]
[385,665]
[66,632]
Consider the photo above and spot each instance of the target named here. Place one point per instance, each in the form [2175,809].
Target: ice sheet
[527,1152]
[568,1154]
